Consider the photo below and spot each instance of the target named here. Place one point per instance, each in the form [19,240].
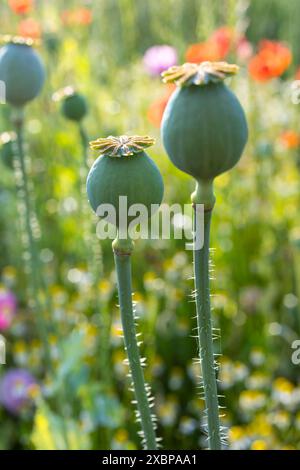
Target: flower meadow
[92,70]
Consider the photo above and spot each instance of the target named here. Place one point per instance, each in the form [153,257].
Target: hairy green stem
[123,267]
[205,335]
[35,277]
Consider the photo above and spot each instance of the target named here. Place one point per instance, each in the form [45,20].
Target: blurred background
[111,52]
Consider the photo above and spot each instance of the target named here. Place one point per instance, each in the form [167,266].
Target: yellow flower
[252,400]
[34,391]
[41,436]
[168,411]
[19,347]
[105,287]
[260,426]
[116,330]
[281,419]
[121,436]
[9,273]
[236,433]
[259,445]
[257,380]
[283,385]
[138,297]
[283,390]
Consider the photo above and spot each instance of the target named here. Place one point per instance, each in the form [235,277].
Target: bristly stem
[123,267]
[18,119]
[204,327]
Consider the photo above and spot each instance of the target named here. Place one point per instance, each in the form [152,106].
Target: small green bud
[8,148]
[74,107]
[52,42]
[73,104]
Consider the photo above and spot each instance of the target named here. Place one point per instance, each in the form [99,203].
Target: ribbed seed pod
[124,169]
[22,71]
[204,128]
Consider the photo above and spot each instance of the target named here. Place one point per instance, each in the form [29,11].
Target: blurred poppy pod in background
[8,148]
[22,71]
[74,107]
[51,41]
[73,104]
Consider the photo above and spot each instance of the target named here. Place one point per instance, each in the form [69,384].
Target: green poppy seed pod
[74,107]
[124,169]
[22,71]
[52,42]
[204,129]
[8,148]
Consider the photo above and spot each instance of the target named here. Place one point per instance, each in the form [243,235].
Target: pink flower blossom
[8,306]
[159,58]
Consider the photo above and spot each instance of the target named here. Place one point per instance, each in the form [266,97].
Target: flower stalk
[122,257]
[205,332]
[34,263]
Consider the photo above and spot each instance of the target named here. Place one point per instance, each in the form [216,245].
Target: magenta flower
[14,390]
[8,306]
[159,58]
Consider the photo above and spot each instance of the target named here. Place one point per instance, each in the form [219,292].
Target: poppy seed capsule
[8,148]
[204,128]
[74,107]
[124,169]
[22,71]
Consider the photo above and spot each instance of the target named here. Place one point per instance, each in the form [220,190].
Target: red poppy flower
[224,38]
[30,28]
[290,139]
[271,61]
[215,48]
[157,108]
[21,7]
[202,51]
[79,16]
